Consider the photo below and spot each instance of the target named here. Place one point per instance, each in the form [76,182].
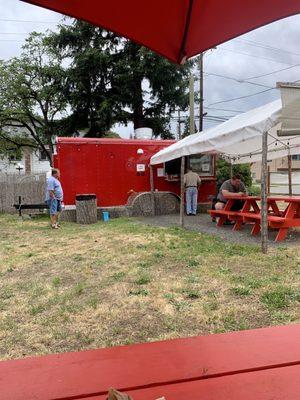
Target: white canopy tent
[239,139]
[257,135]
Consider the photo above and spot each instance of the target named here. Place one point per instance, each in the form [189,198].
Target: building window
[296,157]
[43,155]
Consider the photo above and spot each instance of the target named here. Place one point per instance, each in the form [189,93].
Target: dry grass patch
[123,282]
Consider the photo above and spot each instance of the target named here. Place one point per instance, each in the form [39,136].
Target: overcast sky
[266,50]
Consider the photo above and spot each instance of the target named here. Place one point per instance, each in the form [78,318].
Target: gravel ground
[202,223]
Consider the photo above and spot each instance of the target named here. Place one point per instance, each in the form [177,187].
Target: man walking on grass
[191,183]
[54,197]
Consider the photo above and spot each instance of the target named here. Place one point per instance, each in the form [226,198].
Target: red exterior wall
[108,168]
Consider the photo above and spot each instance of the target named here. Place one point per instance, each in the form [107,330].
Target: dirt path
[202,223]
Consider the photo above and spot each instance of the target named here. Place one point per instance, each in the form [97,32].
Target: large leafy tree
[113,80]
[32,96]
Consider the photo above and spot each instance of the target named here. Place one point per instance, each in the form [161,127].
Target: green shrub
[223,172]
[254,191]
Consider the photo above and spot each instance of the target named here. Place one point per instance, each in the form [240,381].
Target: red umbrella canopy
[176,29]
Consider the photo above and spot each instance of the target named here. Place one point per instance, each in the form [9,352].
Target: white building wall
[37,166]
[9,167]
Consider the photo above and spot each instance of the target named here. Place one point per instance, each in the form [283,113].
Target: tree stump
[86,209]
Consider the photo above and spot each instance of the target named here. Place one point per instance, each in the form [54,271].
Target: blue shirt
[54,185]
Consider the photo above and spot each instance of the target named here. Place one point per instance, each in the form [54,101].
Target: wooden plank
[93,372]
[286,199]
[222,212]
[273,384]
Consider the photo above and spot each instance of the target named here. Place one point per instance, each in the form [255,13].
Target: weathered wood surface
[86,209]
[260,364]
[31,188]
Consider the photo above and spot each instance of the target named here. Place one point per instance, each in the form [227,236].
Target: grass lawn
[122,282]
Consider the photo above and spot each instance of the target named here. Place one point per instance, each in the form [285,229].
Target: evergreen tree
[113,80]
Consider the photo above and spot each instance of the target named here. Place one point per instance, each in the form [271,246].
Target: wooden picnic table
[251,213]
[259,364]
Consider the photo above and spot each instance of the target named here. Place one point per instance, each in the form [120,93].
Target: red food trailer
[113,169]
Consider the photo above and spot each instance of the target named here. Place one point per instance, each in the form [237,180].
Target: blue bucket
[105,216]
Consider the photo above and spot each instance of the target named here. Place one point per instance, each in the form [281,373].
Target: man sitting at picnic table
[233,187]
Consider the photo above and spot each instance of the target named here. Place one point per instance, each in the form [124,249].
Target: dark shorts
[54,206]
[237,205]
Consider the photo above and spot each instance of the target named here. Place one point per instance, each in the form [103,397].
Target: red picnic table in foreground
[251,213]
[260,364]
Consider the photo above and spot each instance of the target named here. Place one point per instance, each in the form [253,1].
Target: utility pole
[201,114]
[192,106]
[179,125]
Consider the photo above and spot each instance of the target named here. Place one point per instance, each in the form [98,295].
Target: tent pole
[269,181]
[230,168]
[182,191]
[264,207]
[290,174]
[192,106]
[201,100]
[152,190]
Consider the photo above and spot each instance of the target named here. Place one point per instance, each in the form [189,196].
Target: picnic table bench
[24,206]
[251,213]
[259,364]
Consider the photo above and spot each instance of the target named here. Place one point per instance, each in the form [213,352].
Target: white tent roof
[239,138]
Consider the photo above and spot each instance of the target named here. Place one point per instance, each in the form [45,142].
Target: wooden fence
[279,183]
[31,188]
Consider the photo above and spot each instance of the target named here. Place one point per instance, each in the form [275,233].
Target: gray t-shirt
[54,185]
[227,185]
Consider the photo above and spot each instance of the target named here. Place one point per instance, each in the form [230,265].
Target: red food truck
[113,169]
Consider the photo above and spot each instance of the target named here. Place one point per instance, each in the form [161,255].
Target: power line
[266,46]
[14,33]
[11,40]
[224,109]
[209,117]
[27,21]
[255,56]
[242,97]
[237,80]
[274,72]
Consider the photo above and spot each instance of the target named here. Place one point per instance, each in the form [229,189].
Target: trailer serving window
[203,164]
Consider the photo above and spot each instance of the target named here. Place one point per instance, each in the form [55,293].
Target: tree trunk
[86,209]
[138,109]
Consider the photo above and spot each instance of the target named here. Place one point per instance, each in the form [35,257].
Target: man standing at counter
[191,184]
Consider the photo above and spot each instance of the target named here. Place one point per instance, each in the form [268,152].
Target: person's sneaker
[229,222]
[54,226]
